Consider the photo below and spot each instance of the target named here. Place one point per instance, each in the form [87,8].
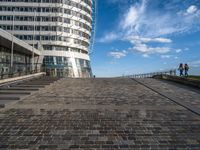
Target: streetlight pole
[12,45]
[33,61]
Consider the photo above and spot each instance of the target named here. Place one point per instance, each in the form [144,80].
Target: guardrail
[182,80]
[150,75]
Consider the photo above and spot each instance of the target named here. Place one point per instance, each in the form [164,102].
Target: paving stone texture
[94,114]
[188,96]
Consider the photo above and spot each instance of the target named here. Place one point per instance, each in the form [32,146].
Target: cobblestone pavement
[94,114]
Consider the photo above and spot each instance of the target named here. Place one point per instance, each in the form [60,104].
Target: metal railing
[18,70]
[150,75]
[18,74]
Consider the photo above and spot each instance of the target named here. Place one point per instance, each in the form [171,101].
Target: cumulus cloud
[117,54]
[192,9]
[140,45]
[145,23]
[145,49]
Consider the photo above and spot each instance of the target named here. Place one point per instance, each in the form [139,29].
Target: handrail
[150,75]
[17,74]
[20,78]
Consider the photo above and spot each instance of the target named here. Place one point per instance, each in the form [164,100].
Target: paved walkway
[94,114]
[181,94]
[177,91]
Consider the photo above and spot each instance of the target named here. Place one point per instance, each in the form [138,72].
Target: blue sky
[141,36]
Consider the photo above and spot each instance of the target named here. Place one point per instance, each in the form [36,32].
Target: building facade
[62,27]
[16,56]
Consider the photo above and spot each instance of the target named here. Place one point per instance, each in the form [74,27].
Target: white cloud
[146,50]
[109,37]
[132,16]
[186,49]
[175,57]
[117,54]
[178,50]
[192,9]
[166,56]
[140,45]
[145,55]
[134,39]
[162,40]
[144,23]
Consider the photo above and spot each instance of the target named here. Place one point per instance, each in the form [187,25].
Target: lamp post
[12,45]
[33,61]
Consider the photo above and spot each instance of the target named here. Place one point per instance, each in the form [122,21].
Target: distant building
[62,27]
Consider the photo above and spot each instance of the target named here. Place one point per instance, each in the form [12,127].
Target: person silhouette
[186,69]
[181,68]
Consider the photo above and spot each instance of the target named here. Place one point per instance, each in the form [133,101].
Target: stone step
[19,88]
[8,97]
[35,83]
[3,103]
[24,85]
[14,92]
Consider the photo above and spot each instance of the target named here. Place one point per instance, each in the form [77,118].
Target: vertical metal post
[33,61]
[12,45]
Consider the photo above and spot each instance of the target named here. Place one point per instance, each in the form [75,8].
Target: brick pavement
[94,114]
[183,93]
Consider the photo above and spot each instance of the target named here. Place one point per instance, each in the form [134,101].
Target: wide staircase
[18,90]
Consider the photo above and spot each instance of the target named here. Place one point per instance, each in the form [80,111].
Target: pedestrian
[181,68]
[2,71]
[186,69]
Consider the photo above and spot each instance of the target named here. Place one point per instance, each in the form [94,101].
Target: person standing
[181,68]
[186,68]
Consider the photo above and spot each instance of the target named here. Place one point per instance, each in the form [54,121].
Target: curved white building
[62,27]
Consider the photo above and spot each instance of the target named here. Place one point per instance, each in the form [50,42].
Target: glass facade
[84,68]
[21,62]
[62,66]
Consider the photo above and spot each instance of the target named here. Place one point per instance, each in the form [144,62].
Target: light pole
[33,61]
[12,45]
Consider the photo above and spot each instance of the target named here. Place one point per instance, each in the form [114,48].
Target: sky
[143,36]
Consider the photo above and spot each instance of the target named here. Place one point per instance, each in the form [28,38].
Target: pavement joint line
[164,95]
